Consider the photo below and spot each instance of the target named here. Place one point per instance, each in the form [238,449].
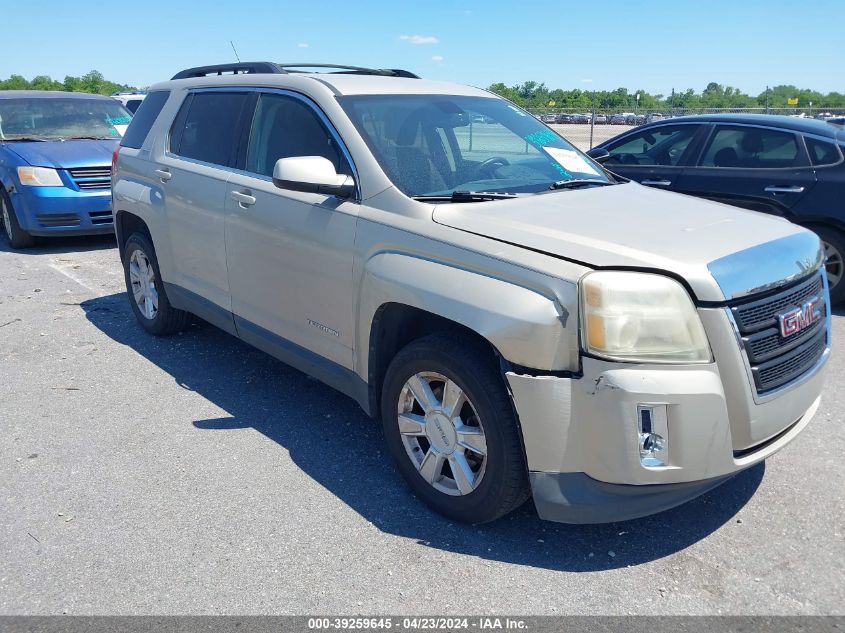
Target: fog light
[653,428]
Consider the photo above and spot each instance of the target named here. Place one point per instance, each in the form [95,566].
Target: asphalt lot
[196,475]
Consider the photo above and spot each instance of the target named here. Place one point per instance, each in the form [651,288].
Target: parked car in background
[785,166]
[548,118]
[564,118]
[55,162]
[652,117]
[600,119]
[618,119]
[522,322]
[130,100]
[581,118]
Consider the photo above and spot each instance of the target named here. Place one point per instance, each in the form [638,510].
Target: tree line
[92,82]
[536,96]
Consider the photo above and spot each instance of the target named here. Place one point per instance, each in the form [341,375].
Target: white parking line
[68,272]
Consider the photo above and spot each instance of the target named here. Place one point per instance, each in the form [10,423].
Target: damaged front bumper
[583,444]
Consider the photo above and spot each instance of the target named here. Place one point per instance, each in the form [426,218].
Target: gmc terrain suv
[522,322]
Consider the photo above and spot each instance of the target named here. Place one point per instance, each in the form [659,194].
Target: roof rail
[219,69]
[276,69]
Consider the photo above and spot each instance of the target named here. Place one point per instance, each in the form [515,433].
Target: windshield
[432,145]
[58,118]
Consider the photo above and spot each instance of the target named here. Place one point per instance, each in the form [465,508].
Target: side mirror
[598,154]
[312,174]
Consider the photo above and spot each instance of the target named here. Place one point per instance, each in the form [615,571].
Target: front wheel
[18,238]
[146,291]
[450,426]
[833,243]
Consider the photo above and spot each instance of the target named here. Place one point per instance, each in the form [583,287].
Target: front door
[654,156]
[290,253]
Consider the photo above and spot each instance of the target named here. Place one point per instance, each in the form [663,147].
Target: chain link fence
[586,129]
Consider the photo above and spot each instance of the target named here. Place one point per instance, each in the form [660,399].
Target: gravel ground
[195,475]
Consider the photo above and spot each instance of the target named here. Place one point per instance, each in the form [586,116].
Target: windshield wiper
[578,182]
[90,138]
[467,196]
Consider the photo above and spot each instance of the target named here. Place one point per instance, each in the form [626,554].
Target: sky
[651,45]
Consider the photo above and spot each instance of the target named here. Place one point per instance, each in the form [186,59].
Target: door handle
[779,189]
[163,174]
[243,199]
[658,183]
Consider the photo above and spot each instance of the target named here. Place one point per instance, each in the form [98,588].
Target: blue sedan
[55,163]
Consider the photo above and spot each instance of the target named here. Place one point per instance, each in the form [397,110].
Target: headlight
[39,177]
[640,317]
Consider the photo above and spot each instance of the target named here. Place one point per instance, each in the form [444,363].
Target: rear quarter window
[144,118]
[822,152]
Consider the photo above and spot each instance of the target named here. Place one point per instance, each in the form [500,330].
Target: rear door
[754,167]
[204,142]
[654,156]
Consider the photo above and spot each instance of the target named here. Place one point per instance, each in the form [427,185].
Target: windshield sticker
[571,160]
[118,120]
[541,138]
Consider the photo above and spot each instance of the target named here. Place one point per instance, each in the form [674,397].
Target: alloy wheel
[142,280]
[442,433]
[833,264]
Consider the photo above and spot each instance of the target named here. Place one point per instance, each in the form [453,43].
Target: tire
[834,251]
[145,289]
[18,238]
[468,466]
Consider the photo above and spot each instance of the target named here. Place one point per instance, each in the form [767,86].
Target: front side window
[431,145]
[284,127]
[822,152]
[207,127]
[662,145]
[751,148]
[62,118]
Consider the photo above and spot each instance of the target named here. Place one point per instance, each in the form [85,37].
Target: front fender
[526,327]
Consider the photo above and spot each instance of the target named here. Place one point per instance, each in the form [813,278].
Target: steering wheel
[491,164]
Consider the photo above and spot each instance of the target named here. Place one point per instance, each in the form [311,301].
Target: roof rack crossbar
[276,69]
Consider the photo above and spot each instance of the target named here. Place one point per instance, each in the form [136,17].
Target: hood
[634,226]
[65,154]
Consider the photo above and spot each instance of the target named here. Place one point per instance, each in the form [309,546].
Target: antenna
[236,51]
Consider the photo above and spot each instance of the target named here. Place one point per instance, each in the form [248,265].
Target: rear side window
[822,152]
[207,127]
[751,148]
[145,116]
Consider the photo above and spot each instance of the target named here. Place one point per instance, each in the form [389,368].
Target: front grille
[99,218]
[91,177]
[776,360]
[58,219]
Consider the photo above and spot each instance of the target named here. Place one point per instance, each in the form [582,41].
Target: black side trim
[344,380]
[306,361]
[206,310]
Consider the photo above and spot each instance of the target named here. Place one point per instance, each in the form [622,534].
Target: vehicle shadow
[334,442]
[60,245]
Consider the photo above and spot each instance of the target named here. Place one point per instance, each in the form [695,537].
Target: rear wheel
[450,427]
[834,260]
[146,291]
[18,238]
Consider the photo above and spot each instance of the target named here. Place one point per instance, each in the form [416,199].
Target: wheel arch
[404,297]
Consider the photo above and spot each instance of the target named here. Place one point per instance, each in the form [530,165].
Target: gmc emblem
[798,319]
